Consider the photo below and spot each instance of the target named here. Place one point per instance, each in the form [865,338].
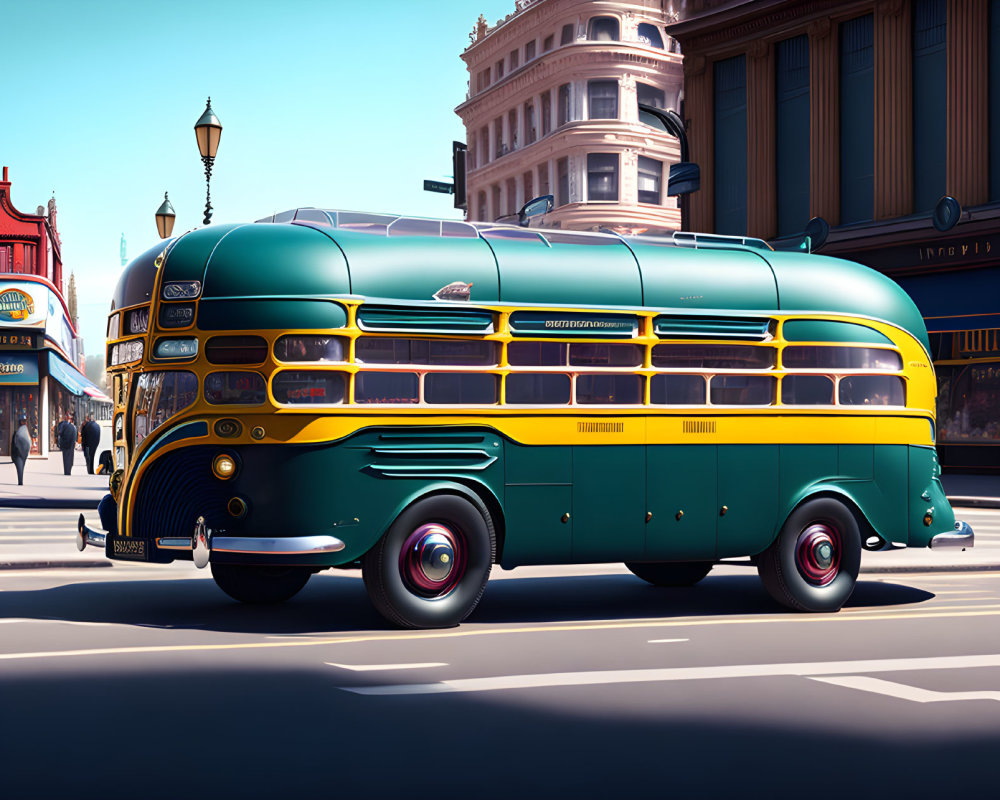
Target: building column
[698,116]
[824,122]
[893,110]
[968,102]
[762,192]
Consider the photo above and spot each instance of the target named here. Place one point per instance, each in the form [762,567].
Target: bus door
[681,499]
[609,511]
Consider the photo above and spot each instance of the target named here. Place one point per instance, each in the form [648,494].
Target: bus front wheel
[430,568]
[260,585]
[681,573]
[813,565]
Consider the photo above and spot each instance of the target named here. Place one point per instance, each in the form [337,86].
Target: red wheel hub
[817,553]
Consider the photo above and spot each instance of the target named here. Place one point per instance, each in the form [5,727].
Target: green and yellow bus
[426,398]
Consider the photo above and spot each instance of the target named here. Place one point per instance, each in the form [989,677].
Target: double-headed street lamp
[208,129]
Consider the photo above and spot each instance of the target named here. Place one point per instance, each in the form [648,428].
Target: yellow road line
[993,610]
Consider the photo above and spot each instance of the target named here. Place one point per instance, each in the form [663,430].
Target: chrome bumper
[962,537]
[85,536]
[202,544]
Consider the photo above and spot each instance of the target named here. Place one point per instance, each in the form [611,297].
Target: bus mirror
[534,208]
[685,177]
[817,229]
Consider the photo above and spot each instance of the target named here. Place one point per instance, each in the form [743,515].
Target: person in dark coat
[66,437]
[90,437]
[20,446]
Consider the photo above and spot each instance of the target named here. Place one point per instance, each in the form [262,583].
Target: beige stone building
[553,109]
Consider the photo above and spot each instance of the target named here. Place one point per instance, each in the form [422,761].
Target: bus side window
[713,356]
[609,389]
[677,390]
[461,388]
[309,348]
[806,390]
[386,387]
[874,390]
[605,355]
[235,388]
[536,354]
[305,387]
[533,388]
[742,390]
[817,357]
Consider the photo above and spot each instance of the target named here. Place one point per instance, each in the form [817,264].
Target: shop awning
[74,380]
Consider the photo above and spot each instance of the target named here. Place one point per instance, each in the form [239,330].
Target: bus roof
[310,253]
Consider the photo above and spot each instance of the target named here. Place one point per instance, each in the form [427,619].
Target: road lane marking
[666,641]
[903,692]
[669,674]
[459,634]
[374,667]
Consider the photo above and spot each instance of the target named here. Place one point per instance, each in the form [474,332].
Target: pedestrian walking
[66,437]
[90,437]
[20,446]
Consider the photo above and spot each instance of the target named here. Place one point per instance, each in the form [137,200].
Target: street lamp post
[208,129]
[165,218]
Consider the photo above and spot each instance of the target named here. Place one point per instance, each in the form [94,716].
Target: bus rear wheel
[813,565]
[680,573]
[260,585]
[430,568]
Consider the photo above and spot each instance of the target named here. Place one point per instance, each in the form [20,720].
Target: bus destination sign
[558,323]
[17,341]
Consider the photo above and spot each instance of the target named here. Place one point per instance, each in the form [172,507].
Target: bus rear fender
[871,539]
[480,495]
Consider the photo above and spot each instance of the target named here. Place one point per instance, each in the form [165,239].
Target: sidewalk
[45,486]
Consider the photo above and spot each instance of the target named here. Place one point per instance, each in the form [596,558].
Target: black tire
[666,573]
[260,585]
[408,579]
[813,564]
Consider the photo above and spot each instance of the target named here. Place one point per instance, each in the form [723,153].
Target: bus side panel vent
[600,427]
[758,329]
[698,426]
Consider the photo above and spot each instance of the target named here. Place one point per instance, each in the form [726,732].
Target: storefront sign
[15,306]
[978,343]
[18,368]
[928,255]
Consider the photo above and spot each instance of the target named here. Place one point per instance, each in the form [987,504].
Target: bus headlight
[176,348]
[224,467]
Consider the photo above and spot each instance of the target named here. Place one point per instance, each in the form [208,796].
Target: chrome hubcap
[432,560]
[817,554]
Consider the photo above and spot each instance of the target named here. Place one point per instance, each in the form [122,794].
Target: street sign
[439,186]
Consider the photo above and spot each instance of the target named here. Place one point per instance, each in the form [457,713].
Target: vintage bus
[425,399]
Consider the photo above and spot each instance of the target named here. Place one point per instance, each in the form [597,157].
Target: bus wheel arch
[813,563]
[430,568]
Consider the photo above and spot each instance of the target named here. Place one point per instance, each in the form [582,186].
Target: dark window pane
[713,356]
[301,387]
[875,390]
[650,176]
[602,99]
[536,354]
[731,146]
[994,99]
[310,348]
[742,390]
[806,390]
[807,357]
[386,387]
[235,388]
[650,95]
[236,350]
[609,389]
[930,112]
[537,388]
[857,120]
[460,388]
[677,390]
[792,133]
[605,355]
[650,35]
[603,29]
[567,34]
[602,176]
[452,352]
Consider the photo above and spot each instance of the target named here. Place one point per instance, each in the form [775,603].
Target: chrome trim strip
[174,543]
[292,545]
[963,537]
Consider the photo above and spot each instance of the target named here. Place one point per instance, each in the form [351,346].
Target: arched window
[649,35]
[602,29]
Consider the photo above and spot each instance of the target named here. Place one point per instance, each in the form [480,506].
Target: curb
[44,502]
[15,565]
[974,502]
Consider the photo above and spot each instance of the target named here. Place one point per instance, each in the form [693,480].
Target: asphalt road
[139,681]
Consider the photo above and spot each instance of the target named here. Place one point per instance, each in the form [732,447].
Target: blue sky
[333,104]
